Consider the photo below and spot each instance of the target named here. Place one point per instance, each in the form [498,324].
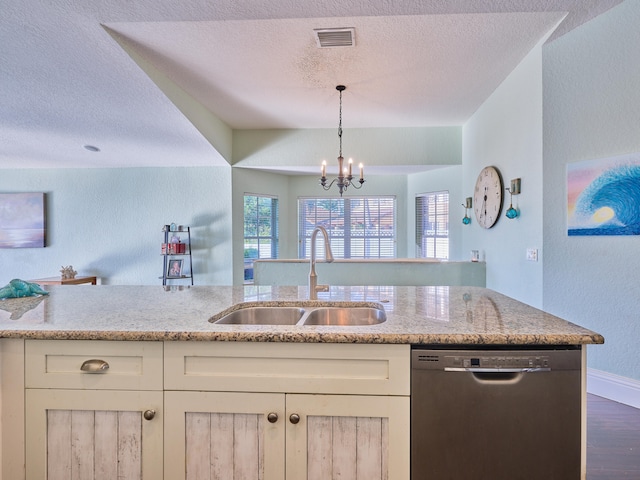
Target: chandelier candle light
[345,177]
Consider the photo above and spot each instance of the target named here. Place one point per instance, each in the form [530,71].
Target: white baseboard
[614,387]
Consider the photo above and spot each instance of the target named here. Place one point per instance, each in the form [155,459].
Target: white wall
[506,132]
[372,146]
[591,111]
[107,222]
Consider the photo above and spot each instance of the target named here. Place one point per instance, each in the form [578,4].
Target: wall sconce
[514,190]
[467,205]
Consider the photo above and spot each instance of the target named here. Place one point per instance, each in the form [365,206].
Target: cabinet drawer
[288,367]
[59,364]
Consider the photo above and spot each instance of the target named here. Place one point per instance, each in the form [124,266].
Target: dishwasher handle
[497,376]
[497,370]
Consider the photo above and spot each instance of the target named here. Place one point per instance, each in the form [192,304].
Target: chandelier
[345,177]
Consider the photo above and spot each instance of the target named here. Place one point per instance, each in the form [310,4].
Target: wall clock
[488,197]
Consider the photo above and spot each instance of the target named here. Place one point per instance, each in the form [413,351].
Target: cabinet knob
[294,418]
[272,417]
[149,414]
[94,365]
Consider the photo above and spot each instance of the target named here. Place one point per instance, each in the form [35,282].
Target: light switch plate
[532,254]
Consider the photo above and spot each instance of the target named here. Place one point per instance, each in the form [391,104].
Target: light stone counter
[415,315]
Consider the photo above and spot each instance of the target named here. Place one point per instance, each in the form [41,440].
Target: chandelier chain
[340,124]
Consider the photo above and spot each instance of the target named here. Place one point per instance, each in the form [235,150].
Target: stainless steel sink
[303,314]
[345,316]
[263,316]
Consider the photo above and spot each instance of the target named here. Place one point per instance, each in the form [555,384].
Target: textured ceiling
[65,81]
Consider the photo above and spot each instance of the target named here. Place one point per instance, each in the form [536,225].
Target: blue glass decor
[467,205]
[17,288]
[514,190]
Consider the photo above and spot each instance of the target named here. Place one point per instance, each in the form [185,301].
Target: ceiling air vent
[335,37]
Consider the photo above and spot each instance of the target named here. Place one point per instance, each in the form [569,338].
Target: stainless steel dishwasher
[495,414]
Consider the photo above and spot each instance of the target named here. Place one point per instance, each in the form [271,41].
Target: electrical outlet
[532,254]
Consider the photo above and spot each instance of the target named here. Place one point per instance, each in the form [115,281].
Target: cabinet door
[224,435]
[93,435]
[357,437]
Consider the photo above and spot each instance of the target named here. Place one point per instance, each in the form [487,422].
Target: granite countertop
[415,315]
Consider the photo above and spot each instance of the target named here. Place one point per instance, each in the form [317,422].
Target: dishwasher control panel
[498,362]
[488,360]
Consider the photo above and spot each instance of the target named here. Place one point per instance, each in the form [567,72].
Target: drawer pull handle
[294,418]
[94,366]
[149,414]
[272,417]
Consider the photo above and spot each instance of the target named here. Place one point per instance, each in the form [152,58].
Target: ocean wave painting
[22,220]
[603,196]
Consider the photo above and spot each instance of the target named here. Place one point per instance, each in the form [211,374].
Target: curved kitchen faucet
[314,288]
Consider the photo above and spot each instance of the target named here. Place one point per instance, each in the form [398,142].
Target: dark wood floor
[613,440]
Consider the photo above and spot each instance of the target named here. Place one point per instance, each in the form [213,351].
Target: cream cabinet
[286,411]
[347,436]
[220,435]
[93,410]
[93,434]
[187,410]
[223,435]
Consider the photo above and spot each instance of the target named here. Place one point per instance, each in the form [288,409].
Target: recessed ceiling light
[92,148]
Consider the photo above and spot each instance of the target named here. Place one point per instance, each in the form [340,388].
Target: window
[260,231]
[432,225]
[358,227]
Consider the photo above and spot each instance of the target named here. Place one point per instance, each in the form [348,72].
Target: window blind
[432,225]
[358,227]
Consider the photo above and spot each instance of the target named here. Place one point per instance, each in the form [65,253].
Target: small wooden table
[68,281]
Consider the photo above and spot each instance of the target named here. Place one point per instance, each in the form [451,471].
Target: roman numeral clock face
[487,197]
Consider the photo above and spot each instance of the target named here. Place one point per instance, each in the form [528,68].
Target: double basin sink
[333,315]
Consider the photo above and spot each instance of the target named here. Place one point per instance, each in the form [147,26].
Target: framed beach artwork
[603,196]
[22,220]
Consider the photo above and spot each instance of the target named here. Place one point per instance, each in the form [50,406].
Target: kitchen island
[415,315]
[155,359]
